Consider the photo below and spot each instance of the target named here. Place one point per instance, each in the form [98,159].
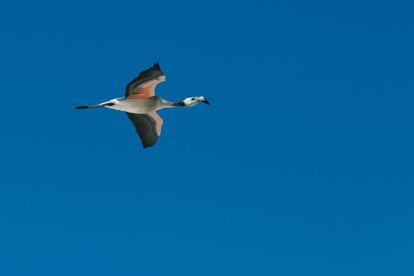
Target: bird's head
[192,101]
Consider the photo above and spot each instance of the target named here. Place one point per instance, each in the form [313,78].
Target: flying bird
[141,104]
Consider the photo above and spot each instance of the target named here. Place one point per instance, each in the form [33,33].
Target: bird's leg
[109,103]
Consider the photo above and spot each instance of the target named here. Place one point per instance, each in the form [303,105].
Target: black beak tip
[206,102]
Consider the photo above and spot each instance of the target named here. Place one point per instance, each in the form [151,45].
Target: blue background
[302,165]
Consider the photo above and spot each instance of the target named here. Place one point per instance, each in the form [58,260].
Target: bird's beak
[205,101]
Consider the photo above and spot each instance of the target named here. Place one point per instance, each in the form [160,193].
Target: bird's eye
[192,99]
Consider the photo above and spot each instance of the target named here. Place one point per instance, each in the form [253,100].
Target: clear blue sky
[302,165]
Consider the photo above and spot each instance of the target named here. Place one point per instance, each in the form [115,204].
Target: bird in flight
[141,104]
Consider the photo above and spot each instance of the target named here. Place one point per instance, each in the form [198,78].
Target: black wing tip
[157,66]
[149,144]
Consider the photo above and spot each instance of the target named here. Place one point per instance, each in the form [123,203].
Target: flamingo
[141,104]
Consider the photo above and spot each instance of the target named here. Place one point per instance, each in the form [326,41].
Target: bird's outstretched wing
[143,86]
[148,127]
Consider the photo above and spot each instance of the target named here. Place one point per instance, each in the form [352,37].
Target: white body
[130,105]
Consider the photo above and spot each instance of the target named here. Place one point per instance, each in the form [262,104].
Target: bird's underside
[137,106]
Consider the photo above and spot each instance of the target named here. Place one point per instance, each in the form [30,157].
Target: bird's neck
[167,104]
[178,104]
